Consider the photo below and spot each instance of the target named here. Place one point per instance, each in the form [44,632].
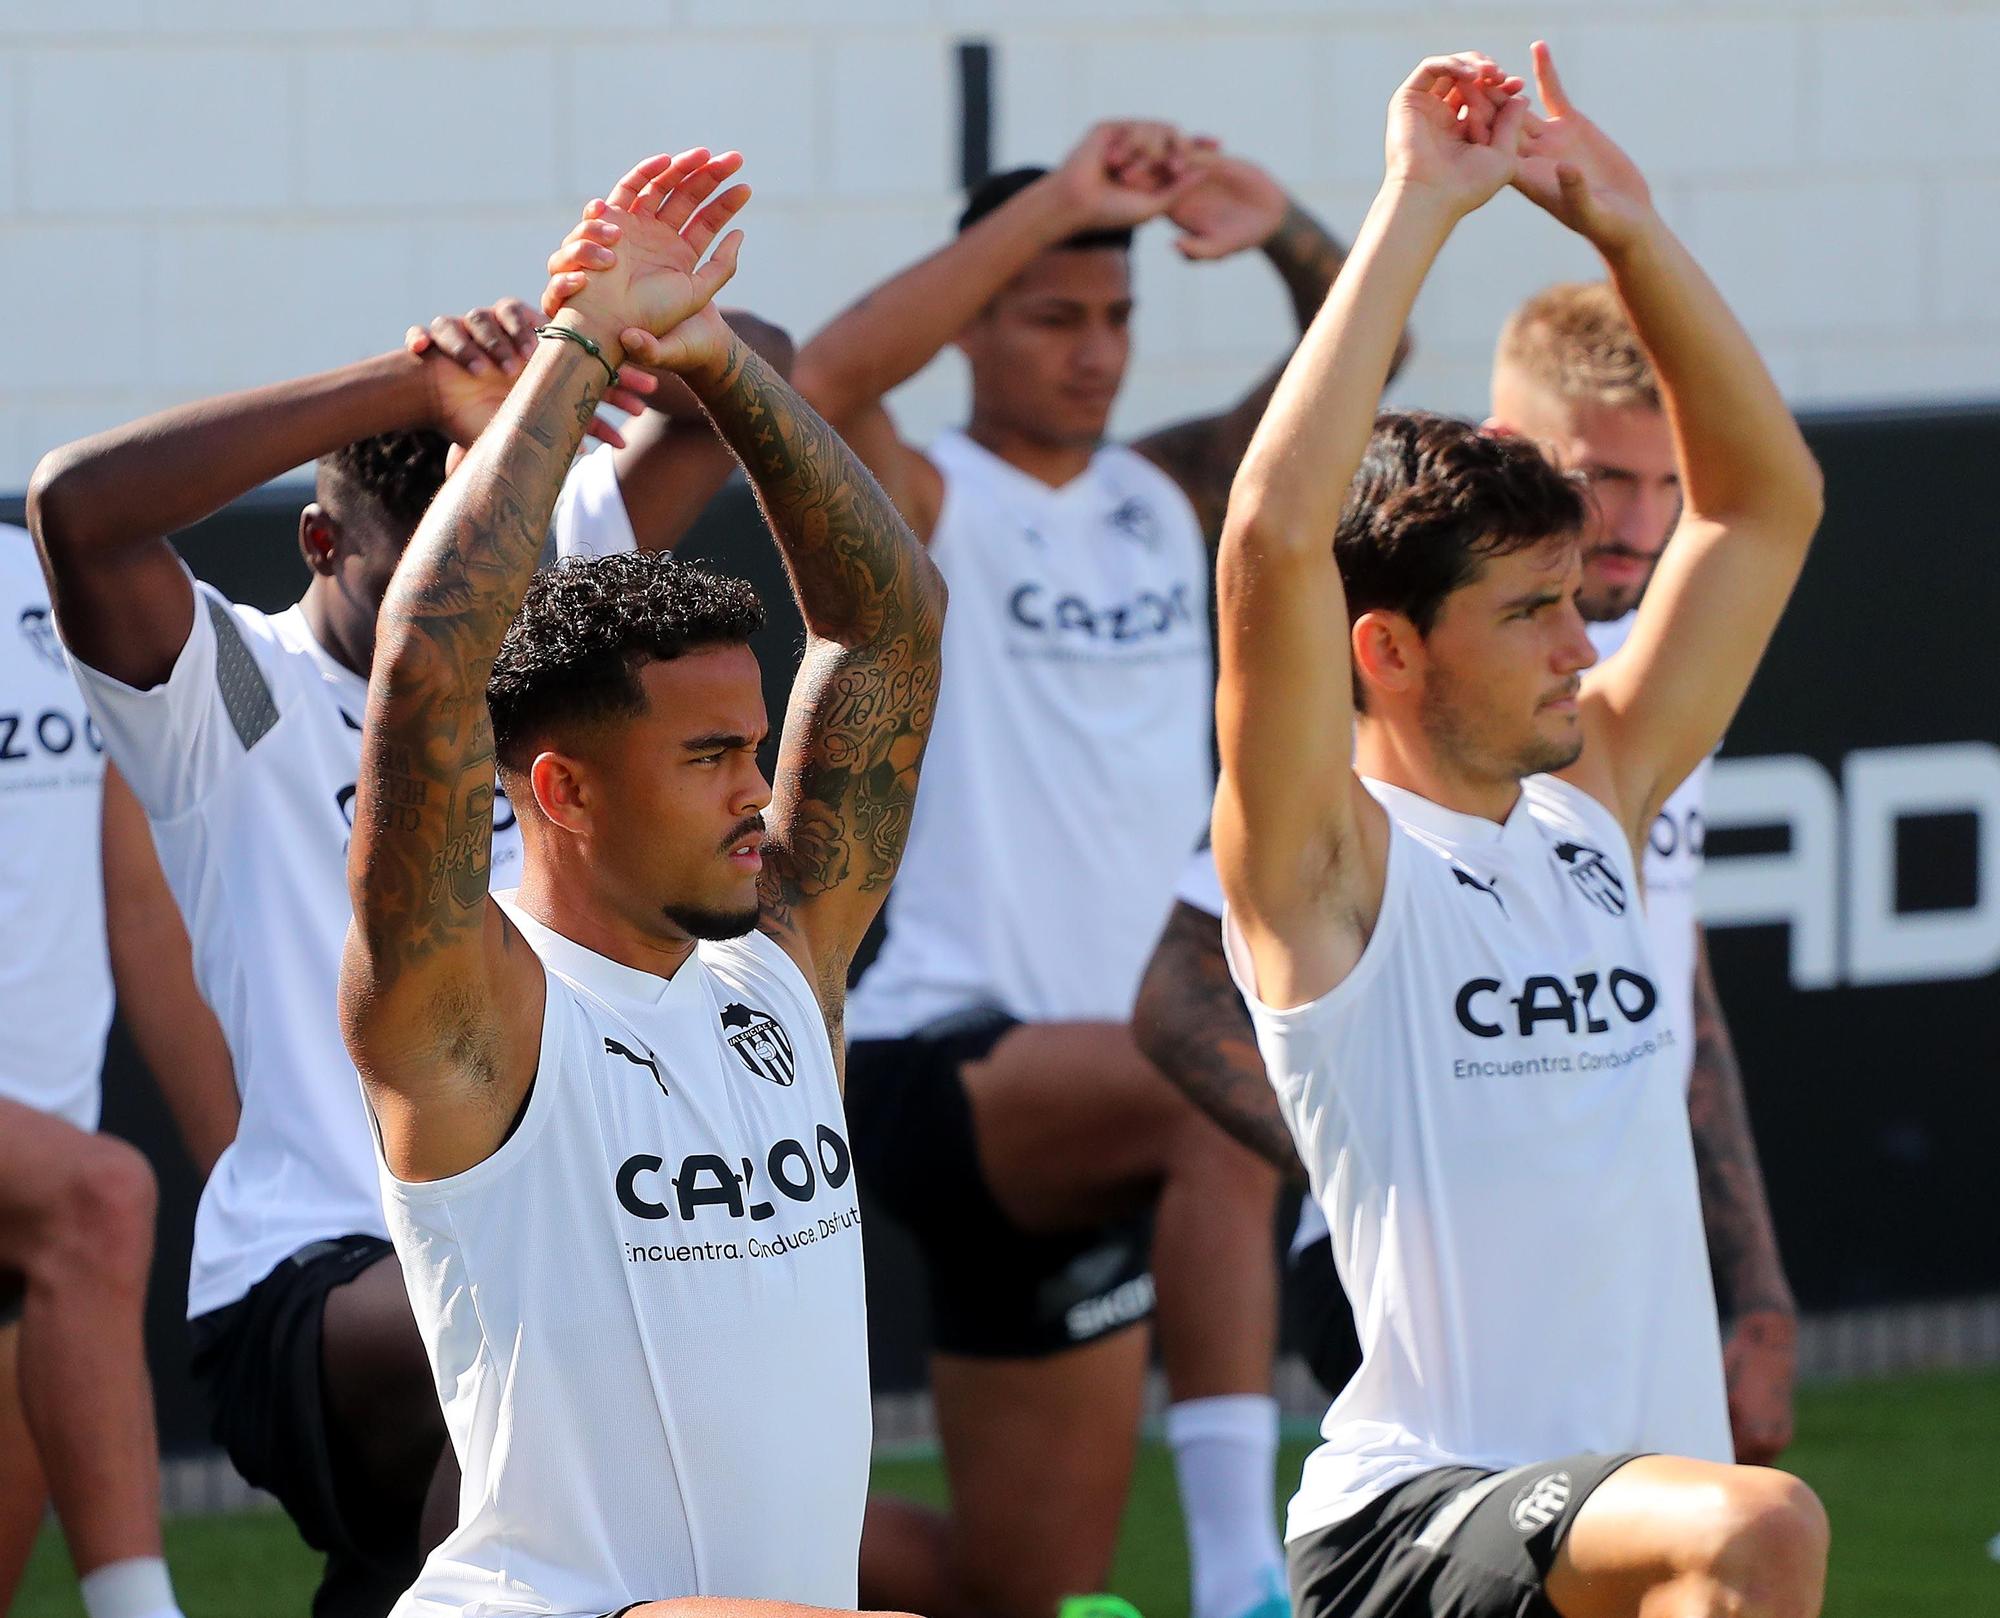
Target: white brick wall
[200,194]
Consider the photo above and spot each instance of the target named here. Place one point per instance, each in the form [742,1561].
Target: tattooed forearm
[1191,1024]
[867,690]
[1742,1243]
[1307,259]
[423,822]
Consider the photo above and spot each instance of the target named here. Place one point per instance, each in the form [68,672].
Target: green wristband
[570,335]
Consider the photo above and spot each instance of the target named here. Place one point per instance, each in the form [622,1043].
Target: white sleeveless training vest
[1069,770]
[1491,1110]
[644,1311]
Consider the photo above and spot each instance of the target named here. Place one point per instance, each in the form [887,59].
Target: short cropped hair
[585,629]
[997,189]
[399,473]
[1433,499]
[1575,341]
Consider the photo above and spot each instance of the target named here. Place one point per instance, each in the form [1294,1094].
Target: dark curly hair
[587,626]
[399,472]
[1432,499]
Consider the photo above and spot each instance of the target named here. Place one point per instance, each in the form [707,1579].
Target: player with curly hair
[240,732]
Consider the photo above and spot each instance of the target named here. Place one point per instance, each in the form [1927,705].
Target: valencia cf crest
[760,1040]
[1595,875]
[39,630]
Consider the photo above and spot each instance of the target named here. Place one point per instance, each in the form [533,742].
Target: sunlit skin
[1490,694]
[1626,455]
[1048,356]
[645,831]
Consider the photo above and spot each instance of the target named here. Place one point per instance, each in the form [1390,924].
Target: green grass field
[1909,1470]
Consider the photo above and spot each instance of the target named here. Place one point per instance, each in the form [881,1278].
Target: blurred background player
[1572,375]
[1001,1110]
[1429,842]
[76,1207]
[240,735]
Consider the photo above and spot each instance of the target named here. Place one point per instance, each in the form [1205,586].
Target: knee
[100,1221]
[1769,1544]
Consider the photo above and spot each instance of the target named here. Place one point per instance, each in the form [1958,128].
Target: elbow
[60,501]
[822,385]
[1810,496]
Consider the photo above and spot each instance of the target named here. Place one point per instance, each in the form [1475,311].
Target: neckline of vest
[598,973]
[1433,817]
[958,437]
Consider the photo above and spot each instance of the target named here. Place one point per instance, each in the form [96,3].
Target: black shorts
[997,1291]
[1458,1542]
[258,1363]
[13,1296]
[1321,1319]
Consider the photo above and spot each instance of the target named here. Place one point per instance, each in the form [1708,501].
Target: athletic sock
[1226,1456]
[138,1588]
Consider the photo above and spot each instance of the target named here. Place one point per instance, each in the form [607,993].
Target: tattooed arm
[440,1003]
[861,708]
[1202,455]
[1762,1320]
[1191,1023]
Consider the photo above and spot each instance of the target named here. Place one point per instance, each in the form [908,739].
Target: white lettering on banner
[1834,887]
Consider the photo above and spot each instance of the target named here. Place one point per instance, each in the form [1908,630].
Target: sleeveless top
[1491,1110]
[1069,769]
[644,1311]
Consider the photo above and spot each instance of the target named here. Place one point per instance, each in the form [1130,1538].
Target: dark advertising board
[1853,891]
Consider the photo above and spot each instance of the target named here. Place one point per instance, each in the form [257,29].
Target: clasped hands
[1461,129]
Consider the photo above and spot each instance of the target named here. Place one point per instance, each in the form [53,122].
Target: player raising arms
[615,1162]
[1438,933]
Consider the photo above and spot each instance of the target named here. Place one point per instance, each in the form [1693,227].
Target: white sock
[138,1588]
[1226,1458]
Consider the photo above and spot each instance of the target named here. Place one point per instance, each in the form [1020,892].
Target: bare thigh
[1075,1127]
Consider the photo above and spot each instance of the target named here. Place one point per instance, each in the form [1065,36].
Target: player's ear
[1385,647]
[561,794]
[319,538]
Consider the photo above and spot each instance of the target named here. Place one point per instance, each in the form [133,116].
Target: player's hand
[1124,172]
[1454,129]
[1233,204]
[471,360]
[1760,1363]
[633,269]
[1573,169]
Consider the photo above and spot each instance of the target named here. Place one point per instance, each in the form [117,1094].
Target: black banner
[1854,889]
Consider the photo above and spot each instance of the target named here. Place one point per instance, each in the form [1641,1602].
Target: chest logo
[1595,876]
[647,1061]
[1540,1503]
[1133,518]
[1491,889]
[760,1042]
[39,630]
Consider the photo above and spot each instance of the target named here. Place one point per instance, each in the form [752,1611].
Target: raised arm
[1751,491]
[440,1001]
[866,690]
[1299,844]
[668,460]
[1191,1023]
[102,508]
[892,333]
[1235,206]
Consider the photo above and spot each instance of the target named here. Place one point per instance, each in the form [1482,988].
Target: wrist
[601,331]
[708,379]
[1633,246]
[1405,204]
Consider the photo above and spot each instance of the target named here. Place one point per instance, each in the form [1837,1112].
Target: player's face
[1502,666]
[1048,354]
[675,799]
[1625,453]
[355,553]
